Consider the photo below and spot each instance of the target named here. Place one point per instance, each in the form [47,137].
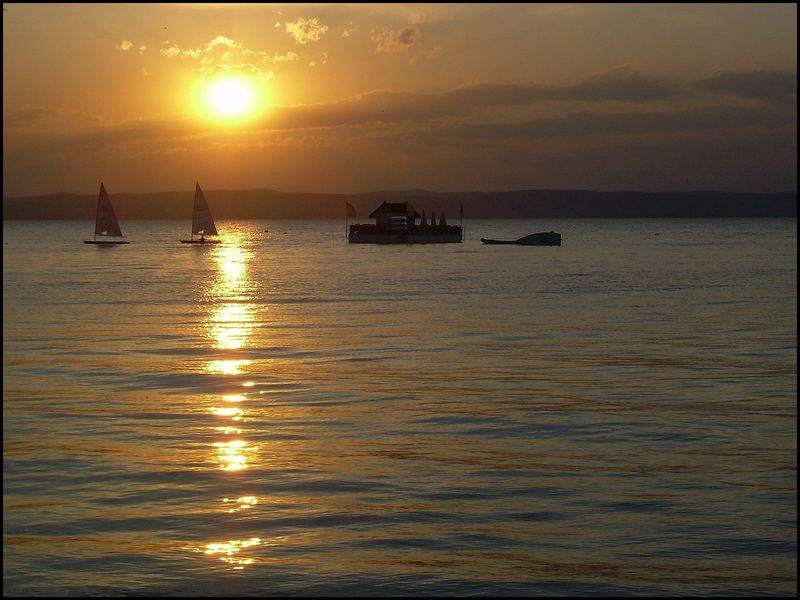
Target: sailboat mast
[194,209]
[97,211]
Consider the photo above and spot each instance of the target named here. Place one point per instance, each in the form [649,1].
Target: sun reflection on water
[227,367]
[229,326]
[233,455]
[234,398]
[228,430]
[244,502]
[229,551]
[227,411]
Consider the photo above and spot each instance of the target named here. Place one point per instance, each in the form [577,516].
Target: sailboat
[202,221]
[105,222]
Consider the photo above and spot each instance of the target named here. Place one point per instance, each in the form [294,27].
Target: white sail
[202,222]
[106,221]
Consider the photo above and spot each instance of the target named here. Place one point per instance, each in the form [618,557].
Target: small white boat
[202,221]
[105,222]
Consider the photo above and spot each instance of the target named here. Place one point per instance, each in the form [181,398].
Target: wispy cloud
[52,118]
[757,85]
[28,116]
[378,114]
[175,51]
[305,31]
[606,126]
[221,40]
[398,106]
[388,40]
[126,45]
[240,69]
[279,58]
[224,54]
[320,61]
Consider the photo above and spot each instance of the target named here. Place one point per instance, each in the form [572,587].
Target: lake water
[288,414]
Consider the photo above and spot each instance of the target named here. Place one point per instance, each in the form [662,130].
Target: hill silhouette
[264,203]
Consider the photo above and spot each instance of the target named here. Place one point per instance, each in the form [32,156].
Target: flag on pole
[351,212]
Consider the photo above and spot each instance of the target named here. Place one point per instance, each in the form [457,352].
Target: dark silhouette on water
[202,221]
[105,221]
[395,223]
[545,238]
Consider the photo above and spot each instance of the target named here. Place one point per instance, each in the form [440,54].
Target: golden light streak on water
[244,503]
[229,430]
[224,411]
[231,325]
[229,551]
[234,398]
[227,367]
[233,455]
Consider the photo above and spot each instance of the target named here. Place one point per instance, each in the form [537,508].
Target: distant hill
[529,204]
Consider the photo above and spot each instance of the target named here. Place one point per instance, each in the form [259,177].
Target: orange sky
[352,98]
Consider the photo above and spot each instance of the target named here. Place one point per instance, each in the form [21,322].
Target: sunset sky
[356,98]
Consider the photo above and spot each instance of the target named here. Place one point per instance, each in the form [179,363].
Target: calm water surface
[288,414]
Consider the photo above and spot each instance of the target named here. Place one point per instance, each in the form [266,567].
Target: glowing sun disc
[230,97]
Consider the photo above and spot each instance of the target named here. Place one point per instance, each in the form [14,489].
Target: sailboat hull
[104,242]
[200,241]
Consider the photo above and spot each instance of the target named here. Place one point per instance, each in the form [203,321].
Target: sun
[230,97]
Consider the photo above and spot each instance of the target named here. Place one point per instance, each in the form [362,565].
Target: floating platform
[412,234]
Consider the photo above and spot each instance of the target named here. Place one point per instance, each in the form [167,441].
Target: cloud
[606,126]
[175,51]
[127,132]
[753,146]
[125,45]
[221,54]
[756,85]
[28,116]
[240,69]
[379,113]
[306,30]
[221,40]
[397,106]
[618,84]
[279,58]
[388,40]
[320,61]
[382,110]
[52,118]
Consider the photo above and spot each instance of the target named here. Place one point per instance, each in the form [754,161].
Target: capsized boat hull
[485,241]
[545,238]
[104,242]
